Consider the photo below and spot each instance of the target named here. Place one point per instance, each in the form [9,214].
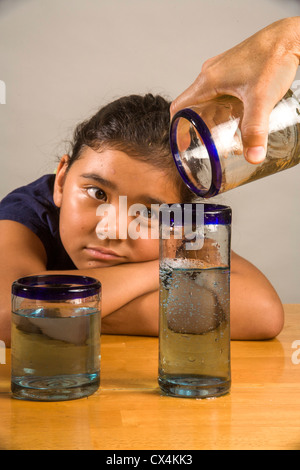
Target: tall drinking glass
[55,337]
[194,328]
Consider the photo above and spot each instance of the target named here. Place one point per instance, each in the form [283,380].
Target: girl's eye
[97,193]
[146,213]
[149,214]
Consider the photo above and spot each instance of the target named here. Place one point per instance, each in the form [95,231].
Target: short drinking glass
[55,337]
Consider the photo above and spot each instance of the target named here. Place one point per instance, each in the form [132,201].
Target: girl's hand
[258,71]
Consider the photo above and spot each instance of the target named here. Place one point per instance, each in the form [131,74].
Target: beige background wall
[62,59]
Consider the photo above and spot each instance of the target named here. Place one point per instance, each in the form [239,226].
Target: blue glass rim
[214,214]
[204,132]
[56,287]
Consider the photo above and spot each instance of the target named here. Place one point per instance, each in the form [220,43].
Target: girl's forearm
[122,283]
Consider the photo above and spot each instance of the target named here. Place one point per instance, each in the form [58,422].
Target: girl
[50,225]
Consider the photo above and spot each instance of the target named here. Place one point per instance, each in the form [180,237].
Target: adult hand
[258,71]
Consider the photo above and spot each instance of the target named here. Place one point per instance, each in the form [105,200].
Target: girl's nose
[107,225]
[113,223]
[118,222]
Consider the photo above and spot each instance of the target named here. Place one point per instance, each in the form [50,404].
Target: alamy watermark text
[296,353]
[2,92]
[2,353]
[180,221]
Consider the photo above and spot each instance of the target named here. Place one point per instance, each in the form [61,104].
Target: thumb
[255,127]
[182,101]
[199,91]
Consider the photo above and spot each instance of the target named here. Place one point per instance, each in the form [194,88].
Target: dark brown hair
[137,125]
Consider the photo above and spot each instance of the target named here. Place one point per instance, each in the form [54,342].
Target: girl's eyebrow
[149,200]
[109,184]
[99,179]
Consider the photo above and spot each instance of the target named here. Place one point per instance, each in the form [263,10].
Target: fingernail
[255,154]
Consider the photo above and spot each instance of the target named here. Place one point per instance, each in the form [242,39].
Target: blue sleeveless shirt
[33,206]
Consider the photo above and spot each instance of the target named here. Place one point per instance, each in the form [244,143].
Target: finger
[255,127]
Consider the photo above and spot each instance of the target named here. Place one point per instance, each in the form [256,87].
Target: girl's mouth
[101,253]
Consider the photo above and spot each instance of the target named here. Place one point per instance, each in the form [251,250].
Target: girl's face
[101,178]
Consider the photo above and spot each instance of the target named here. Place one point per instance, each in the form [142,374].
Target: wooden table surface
[129,412]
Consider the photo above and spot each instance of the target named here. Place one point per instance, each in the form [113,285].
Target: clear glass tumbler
[194,328]
[55,337]
[207,146]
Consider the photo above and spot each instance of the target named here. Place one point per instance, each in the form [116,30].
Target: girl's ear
[60,179]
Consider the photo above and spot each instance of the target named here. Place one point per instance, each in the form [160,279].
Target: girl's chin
[98,264]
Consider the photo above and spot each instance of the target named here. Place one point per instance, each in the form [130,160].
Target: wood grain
[129,412]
